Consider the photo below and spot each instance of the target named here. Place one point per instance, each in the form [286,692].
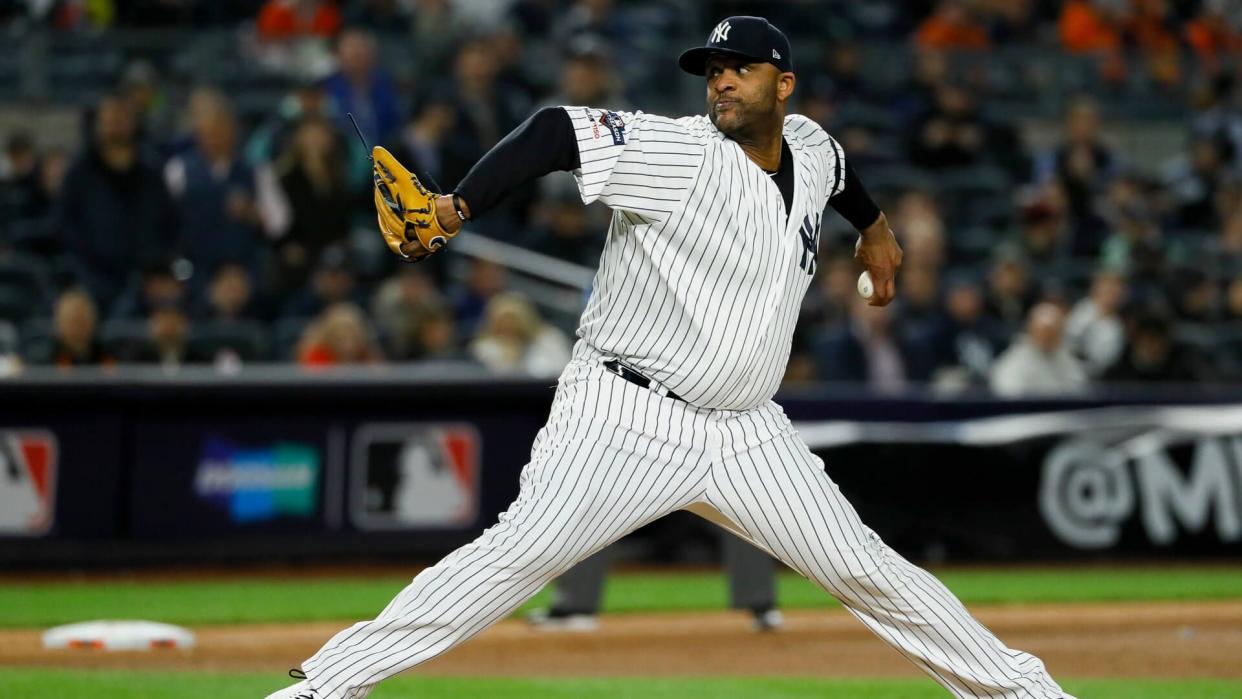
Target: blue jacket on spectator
[115,223]
[212,235]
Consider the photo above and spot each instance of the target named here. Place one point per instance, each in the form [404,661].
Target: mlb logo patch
[612,121]
[27,482]
[415,476]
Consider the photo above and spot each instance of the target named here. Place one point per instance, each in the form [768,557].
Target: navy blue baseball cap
[749,37]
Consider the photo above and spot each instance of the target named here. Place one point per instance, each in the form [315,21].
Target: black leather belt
[636,378]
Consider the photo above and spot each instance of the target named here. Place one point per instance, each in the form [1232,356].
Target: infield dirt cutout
[1167,639]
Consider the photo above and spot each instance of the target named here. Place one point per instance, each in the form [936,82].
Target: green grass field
[93,684]
[275,600]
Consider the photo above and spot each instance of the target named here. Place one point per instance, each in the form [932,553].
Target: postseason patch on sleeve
[612,121]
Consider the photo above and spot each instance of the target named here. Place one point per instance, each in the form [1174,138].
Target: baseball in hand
[865,287]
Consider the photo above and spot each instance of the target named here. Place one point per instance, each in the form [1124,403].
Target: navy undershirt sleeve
[853,202]
[546,142]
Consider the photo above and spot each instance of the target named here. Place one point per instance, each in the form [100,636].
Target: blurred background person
[1038,362]
[514,339]
[340,335]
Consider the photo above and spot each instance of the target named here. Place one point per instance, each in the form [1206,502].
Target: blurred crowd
[191,230]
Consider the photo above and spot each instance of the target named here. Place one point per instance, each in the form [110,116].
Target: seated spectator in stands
[1215,34]
[340,335]
[19,175]
[1152,355]
[486,109]
[1136,244]
[120,217]
[420,143]
[864,348]
[281,20]
[155,285]
[828,299]
[362,88]
[952,133]
[217,192]
[1152,28]
[307,101]
[332,283]
[951,26]
[231,295]
[587,77]
[484,280]
[399,308]
[1044,237]
[969,340]
[312,177]
[1094,331]
[168,338]
[919,318]
[1197,181]
[30,182]
[1196,295]
[1083,164]
[1038,362]
[920,227]
[74,339]
[563,231]
[1090,26]
[437,337]
[513,339]
[1010,292]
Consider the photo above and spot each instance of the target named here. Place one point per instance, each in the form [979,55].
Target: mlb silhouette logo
[415,476]
[27,482]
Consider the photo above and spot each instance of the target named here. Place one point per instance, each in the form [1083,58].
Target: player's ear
[785,86]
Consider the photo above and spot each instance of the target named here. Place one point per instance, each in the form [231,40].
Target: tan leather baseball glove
[406,210]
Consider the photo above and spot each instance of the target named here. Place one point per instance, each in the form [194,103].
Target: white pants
[613,457]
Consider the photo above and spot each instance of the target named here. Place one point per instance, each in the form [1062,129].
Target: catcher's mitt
[406,210]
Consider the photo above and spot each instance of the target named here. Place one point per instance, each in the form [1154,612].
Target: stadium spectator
[486,109]
[1089,26]
[400,306]
[484,279]
[340,335]
[231,296]
[168,339]
[1196,295]
[420,144]
[362,88]
[1136,243]
[1094,330]
[216,191]
[1197,181]
[307,101]
[156,116]
[1010,292]
[513,339]
[1084,166]
[331,284]
[154,286]
[74,341]
[1044,238]
[1038,362]
[1152,355]
[21,196]
[952,134]
[282,20]
[120,217]
[312,177]
[920,227]
[1151,28]
[562,230]
[830,294]
[1215,34]
[436,32]
[951,27]
[863,347]
[969,340]
[587,77]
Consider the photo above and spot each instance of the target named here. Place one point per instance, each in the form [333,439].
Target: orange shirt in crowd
[1083,30]
[279,20]
[1210,40]
[936,33]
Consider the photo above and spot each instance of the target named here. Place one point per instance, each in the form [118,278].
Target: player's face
[741,95]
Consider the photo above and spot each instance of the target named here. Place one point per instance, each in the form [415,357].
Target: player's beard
[748,121]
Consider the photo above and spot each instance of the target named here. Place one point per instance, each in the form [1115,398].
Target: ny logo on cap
[721,33]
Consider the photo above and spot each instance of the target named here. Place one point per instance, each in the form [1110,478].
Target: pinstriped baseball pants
[613,457]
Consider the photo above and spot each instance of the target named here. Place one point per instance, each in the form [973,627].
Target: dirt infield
[1124,639]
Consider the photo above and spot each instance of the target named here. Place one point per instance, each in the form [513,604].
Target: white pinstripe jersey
[703,273]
